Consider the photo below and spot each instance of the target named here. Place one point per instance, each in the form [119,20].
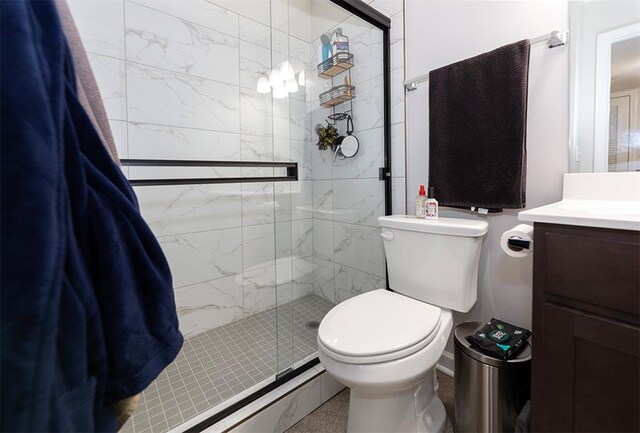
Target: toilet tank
[434,261]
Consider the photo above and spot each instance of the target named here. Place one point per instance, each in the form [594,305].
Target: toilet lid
[376,323]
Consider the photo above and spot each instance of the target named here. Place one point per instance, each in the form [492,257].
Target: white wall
[441,32]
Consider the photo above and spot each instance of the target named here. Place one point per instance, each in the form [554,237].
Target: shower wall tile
[198,257]
[397,95]
[368,160]
[298,49]
[172,142]
[119,132]
[302,238]
[281,149]
[255,62]
[280,14]
[281,115]
[210,304]
[301,199]
[110,76]
[172,210]
[321,162]
[280,44]
[323,199]
[259,289]
[257,203]
[300,19]
[282,201]
[256,147]
[359,247]
[257,113]
[201,12]
[299,128]
[323,239]
[323,279]
[361,47]
[254,32]
[351,282]
[259,245]
[257,10]
[169,98]
[302,277]
[283,240]
[101,26]
[358,201]
[368,106]
[398,150]
[164,41]
[301,151]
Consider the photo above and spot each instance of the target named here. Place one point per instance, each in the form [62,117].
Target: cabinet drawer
[599,267]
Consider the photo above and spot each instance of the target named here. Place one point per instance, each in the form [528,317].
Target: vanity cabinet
[586,318]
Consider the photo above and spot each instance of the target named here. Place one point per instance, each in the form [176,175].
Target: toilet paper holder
[518,244]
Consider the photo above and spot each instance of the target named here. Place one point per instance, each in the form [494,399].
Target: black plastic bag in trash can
[499,339]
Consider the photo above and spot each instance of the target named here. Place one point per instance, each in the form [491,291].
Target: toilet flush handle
[387,236]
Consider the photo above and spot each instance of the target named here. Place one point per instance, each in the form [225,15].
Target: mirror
[605,86]
[349,146]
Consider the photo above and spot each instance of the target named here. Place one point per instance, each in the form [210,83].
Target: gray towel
[86,86]
[477,129]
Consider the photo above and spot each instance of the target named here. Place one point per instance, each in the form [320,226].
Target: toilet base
[413,410]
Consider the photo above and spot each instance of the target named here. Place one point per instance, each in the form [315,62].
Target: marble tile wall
[347,195]
[178,79]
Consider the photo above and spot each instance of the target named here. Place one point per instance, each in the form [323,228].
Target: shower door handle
[387,236]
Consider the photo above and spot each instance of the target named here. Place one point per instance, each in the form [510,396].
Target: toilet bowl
[391,380]
[385,344]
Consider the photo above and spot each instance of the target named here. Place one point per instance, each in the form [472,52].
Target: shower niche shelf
[337,95]
[335,64]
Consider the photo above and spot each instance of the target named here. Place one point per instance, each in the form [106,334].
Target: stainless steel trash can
[489,392]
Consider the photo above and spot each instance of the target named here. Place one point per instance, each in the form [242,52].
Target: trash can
[490,392]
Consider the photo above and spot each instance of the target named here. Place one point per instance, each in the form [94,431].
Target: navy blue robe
[88,313]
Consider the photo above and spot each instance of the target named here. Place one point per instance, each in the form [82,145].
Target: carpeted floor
[331,417]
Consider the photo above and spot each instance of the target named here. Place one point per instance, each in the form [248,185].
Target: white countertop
[606,200]
[623,215]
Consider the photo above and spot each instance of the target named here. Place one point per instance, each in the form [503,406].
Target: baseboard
[446,364]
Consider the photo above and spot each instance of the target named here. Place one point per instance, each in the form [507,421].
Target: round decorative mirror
[349,146]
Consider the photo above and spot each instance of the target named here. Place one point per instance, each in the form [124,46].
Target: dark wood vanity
[586,328]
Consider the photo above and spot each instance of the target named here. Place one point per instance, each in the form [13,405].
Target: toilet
[384,344]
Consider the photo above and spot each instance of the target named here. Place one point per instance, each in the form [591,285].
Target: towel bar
[553,40]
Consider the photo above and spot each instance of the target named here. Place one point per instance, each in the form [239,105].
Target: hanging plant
[326,135]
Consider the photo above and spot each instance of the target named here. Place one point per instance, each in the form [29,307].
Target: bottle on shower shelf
[340,42]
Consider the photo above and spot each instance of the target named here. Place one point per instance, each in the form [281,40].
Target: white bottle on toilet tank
[431,205]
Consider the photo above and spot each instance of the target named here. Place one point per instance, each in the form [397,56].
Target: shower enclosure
[214,106]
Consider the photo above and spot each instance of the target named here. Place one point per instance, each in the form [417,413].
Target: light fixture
[280,92]
[286,71]
[263,85]
[275,78]
[291,86]
[302,78]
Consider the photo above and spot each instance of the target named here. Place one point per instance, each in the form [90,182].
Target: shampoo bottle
[431,205]
[340,42]
[421,198]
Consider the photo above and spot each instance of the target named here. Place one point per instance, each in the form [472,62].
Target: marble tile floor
[332,416]
[220,363]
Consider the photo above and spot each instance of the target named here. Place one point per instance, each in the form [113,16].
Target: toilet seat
[378,326]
